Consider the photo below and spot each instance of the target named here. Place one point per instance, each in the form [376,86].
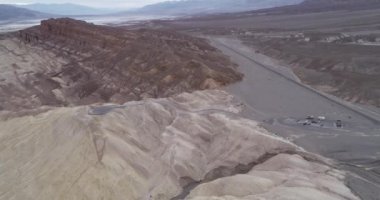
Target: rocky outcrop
[67,62]
[156,149]
[76,34]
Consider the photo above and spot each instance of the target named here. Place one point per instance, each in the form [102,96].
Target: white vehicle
[321,118]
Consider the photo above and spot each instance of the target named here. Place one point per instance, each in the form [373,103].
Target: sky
[92,3]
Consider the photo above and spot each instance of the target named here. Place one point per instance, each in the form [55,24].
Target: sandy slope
[151,149]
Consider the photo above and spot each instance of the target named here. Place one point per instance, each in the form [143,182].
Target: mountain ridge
[67,9]
[71,62]
[186,7]
[322,6]
[10,12]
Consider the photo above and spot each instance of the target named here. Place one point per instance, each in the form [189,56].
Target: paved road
[272,90]
[271,93]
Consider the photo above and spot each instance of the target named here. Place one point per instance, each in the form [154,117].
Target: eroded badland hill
[69,62]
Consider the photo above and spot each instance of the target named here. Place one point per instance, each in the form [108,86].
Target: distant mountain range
[39,11]
[185,7]
[182,7]
[8,12]
[68,9]
[339,1]
[322,6]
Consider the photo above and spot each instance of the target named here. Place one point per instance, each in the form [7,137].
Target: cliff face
[70,62]
[158,149]
[76,34]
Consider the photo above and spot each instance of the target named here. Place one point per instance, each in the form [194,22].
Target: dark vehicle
[314,122]
[304,122]
[339,124]
[310,117]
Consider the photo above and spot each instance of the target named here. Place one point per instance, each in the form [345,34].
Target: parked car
[321,118]
[311,117]
[304,122]
[339,124]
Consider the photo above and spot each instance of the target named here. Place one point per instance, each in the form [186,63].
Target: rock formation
[191,146]
[67,62]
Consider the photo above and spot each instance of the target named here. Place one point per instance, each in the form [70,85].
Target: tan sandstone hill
[192,146]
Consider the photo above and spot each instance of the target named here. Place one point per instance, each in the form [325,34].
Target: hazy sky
[93,3]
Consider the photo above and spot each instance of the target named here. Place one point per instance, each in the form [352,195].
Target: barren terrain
[191,146]
[323,63]
[334,51]
[67,62]
[100,112]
